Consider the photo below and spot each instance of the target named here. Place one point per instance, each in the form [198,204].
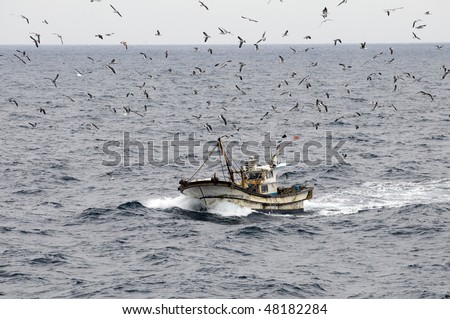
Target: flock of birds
[320,104]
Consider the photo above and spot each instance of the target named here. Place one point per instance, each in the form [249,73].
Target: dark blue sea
[84,217]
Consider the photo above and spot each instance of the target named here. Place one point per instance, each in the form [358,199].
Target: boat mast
[227,160]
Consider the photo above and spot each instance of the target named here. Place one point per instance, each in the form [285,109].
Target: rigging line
[202,164]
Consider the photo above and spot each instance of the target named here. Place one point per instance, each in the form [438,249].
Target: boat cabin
[259,179]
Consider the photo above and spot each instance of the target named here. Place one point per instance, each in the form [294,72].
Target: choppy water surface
[378,226]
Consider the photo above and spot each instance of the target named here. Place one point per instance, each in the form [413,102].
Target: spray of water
[379,194]
[220,208]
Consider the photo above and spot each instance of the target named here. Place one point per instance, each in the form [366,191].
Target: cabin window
[264,188]
[254,175]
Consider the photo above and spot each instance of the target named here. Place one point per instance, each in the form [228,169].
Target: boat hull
[211,192]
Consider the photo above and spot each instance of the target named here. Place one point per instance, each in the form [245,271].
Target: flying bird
[206,36]
[427,94]
[224,31]
[125,44]
[24,17]
[241,41]
[208,127]
[203,5]
[36,42]
[60,37]
[13,101]
[336,41]
[363,45]
[285,33]
[223,119]
[415,36]
[342,2]
[388,11]
[324,12]
[415,21]
[249,19]
[115,10]
[21,60]
[111,68]
[53,80]
[267,113]
[158,33]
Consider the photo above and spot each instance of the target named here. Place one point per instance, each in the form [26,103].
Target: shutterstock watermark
[186,150]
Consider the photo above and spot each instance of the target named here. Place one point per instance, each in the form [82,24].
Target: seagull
[203,5]
[391,50]
[166,54]
[415,21]
[281,59]
[145,56]
[342,2]
[427,94]
[224,31]
[36,42]
[24,17]
[125,44]
[115,10]
[363,45]
[388,11]
[267,113]
[54,80]
[336,41]
[263,38]
[295,107]
[60,37]
[206,36]
[44,21]
[415,36]
[208,127]
[99,36]
[241,41]
[79,73]
[319,103]
[223,119]
[285,33]
[33,125]
[197,117]
[38,36]
[249,19]
[324,12]
[21,60]
[308,37]
[326,20]
[439,47]
[111,68]
[41,110]
[69,97]
[158,33]
[13,101]
[241,65]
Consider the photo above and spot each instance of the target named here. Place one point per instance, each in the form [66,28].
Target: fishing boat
[250,185]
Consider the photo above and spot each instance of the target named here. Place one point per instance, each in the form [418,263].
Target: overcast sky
[184,21]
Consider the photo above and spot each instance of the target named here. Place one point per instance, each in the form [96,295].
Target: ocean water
[76,225]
